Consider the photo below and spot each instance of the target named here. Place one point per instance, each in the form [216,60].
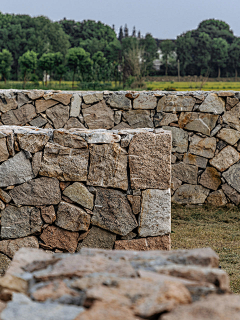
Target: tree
[6,60]
[184,47]
[219,53]
[126,35]
[167,47]
[149,48]
[59,65]
[78,60]
[28,64]
[47,63]
[216,29]
[234,55]
[134,32]
[120,35]
[202,52]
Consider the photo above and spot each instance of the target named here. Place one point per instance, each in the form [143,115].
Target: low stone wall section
[64,190]
[205,129]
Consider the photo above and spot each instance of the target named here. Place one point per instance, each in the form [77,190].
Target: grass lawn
[218,228]
[193,86]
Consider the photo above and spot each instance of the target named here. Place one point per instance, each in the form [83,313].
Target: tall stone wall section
[205,129]
[64,190]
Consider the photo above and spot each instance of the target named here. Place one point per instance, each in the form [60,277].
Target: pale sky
[164,19]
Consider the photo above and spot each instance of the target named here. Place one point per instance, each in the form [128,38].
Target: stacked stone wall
[67,189]
[205,129]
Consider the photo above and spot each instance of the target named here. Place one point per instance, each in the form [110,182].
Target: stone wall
[64,190]
[205,128]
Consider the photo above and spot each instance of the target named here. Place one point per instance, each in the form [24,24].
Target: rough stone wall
[205,128]
[64,190]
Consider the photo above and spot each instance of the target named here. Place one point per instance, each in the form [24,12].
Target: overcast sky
[164,19]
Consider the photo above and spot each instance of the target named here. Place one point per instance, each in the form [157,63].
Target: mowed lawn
[218,228]
[193,86]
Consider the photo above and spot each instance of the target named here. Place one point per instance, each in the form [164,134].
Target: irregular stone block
[102,137]
[63,98]
[35,94]
[98,238]
[174,103]
[175,184]
[190,194]
[185,172]
[217,199]
[155,215]
[159,243]
[32,142]
[4,196]
[204,147]
[119,101]
[92,98]
[37,192]
[121,126]
[99,116]
[19,117]
[108,166]
[36,163]
[38,122]
[63,163]
[231,102]
[4,155]
[2,205]
[59,115]
[135,203]
[232,117]
[129,236]
[59,238]
[138,118]
[163,119]
[42,105]
[145,101]
[15,170]
[7,103]
[4,265]
[212,104]
[195,160]
[231,193]
[232,176]
[126,140]
[229,135]
[20,222]
[10,247]
[72,218]
[70,140]
[22,99]
[73,123]
[48,214]
[75,105]
[135,244]
[225,158]
[78,193]
[117,116]
[150,161]
[179,139]
[210,178]
[198,122]
[112,212]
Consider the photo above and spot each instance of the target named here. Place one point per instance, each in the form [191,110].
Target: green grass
[193,86]
[218,228]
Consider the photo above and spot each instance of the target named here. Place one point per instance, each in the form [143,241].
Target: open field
[218,228]
[192,86]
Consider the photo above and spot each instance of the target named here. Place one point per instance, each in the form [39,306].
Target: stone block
[173,103]
[78,193]
[229,135]
[98,238]
[42,105]
[204,147]
[217,199]
[164,119]
[19,117]
[225,158]
[99,116]
[210,178]
[232,176]
[190,194]
[135,203]
[70,140]
[197,161]
[119,101]
[59,115]
[138,118]
[232,117]
[75,105]
[4,154]
[185,172]
[93,97]
[231,193]
[145,101]
[213,104]
[48,214]
[179,139]
[10,247]
[32,142]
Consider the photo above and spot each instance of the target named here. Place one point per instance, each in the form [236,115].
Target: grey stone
[138,118]
[155,215]
[10,247]
[229,135]
[210,178]
[22,99]
[129,236]
[231,193]
[185,172]
[75,105]
[4,196]
[102,137]
[98,238]
[32,142]
[99,116]
[232,117]
[59,115]
[78,193]
[119,101]
[217,199]
[212,104]
[3,150]
[190,194]
[195,160]
[232,176]
[93,97]
[73,123]
[112,212]
[172,103]
[7,103]
[4,264]
[175,184]
[37,192]
[179,139]
[19,117]
[70,140]
[36,163]
[117,116]
[215,130]
[163,119]
[15,170]
[204,147]
[38,122]
[145,101]
[225,158]
[35,94]
[42,105]
[20,222]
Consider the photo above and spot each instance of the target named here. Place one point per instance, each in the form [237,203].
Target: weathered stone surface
[93,97]
[199,122]
[229,135]
[7,103]
[204,147]
[69,140]
[36,163]
[4,196]
[37,192]
[102,137]
[185,172]
[38,122]
[119,101]
[217,199]
[58,115]
[200,162]
[225,158]
[42,105]
[117,116]
[138,118]
[64,163]
[179,139]
[48,214]
[231,193]
[78,193]
[108,166]
[35,94]
[126,140]
[135,203]
[98,238]
[32,142]
[163,119]
[75,105]
[131,235]
[22,99]
[63,98]
[10,247]
[232,176]
[174,103]
[99,116]
[59,238]
[122,125]
[3,150]
[73,123]
[20,222]
[2,205]
[145,101]
[175,184]
[159,243]
[231,102]
[4,264]
[190,194]
[19,117]
[145,244]
[212,104]
[10,144]
[112,212]
[210,178]
[150,161]
[155,215]
[15,170]
[71,217]
[232,117]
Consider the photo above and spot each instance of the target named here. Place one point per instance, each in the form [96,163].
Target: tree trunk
[73,79]
[236,74]
[166,71]
[24,80]
[219,72]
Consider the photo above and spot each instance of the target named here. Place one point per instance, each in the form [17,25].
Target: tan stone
[10,247]
[185,172]
[226,93]
[19,117]
[135,203]
[134,244]
[108,166]
[164,119]
[210,178]
[225,158]
[59,115]
[229,135]
[42,105]
[138,118]
[150,161]
[195,160]
[36,163]
[35,94]
[145,101]
[2,205]
[63,98]
[190,194]
[99,116]
[217,198]
[98,238]
[3,150]
[159,243]
[231,193]
[175,184]
[204,147]
[48,214]
[73,123]
[173,103]
[4,196]
[231,102]
[78,193]
[232,176]
[92,98]
[7,104]
[70,140]
[119,101]
[213,104]
[32,142]
[232,117]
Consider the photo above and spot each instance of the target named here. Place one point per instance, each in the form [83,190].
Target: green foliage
[167,47]
[28,63]
[6,60]
[219,53]
[234,55]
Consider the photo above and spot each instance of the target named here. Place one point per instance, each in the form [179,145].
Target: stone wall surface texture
[205,130]
[63,190]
